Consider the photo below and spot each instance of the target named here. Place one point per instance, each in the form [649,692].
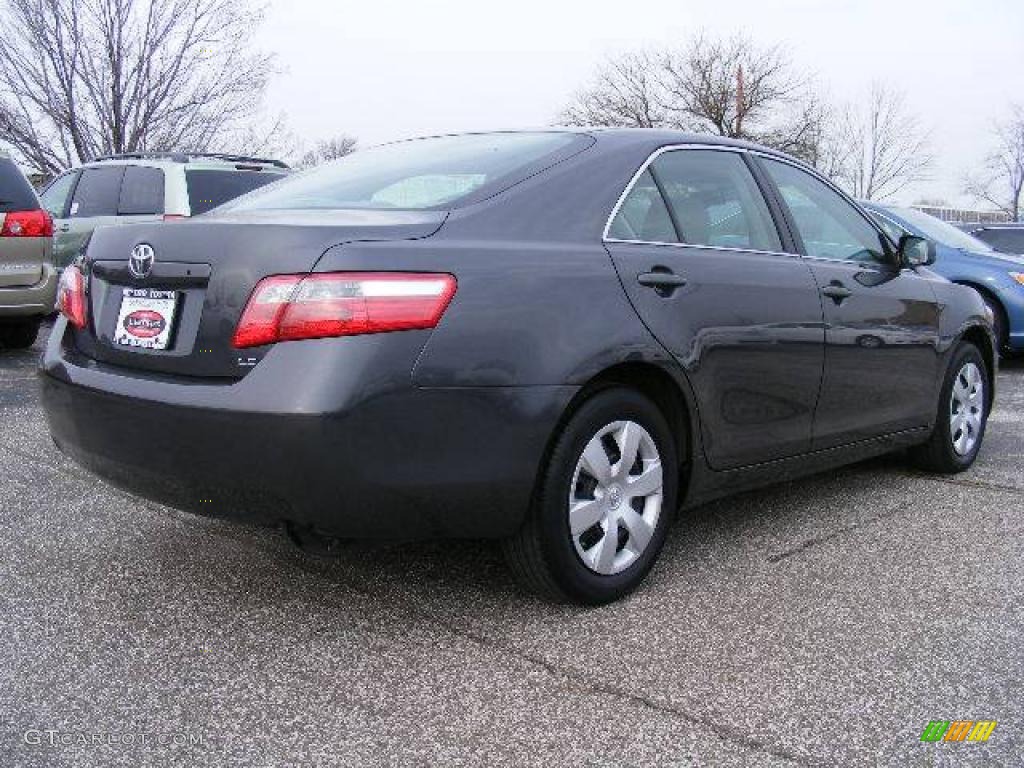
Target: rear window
[16,193]
[1005,240]
[142,191]
[417,174]
[209,188]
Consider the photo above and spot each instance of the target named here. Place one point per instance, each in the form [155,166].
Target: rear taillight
[27,224]
[174,217]
[292,307]
[71,296]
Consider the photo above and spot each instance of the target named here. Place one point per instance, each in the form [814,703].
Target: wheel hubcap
[615,498]
[967,409]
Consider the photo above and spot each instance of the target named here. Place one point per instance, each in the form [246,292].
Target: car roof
[639,137]
[190,159]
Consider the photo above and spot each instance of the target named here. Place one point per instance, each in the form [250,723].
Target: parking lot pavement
[820,622]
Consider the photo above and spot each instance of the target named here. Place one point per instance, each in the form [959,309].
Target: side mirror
[915,251]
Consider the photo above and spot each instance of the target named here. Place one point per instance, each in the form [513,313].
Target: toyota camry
[560,339]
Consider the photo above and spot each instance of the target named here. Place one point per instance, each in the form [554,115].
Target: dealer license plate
[146,318]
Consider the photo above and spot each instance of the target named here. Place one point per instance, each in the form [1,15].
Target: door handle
[662,282]
[837,292]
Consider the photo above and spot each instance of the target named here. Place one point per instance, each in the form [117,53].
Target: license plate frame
[145,319]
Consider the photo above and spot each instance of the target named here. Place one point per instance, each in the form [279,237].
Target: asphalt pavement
[819,622]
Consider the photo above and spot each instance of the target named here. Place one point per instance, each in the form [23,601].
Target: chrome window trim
[605,237]
[725,248]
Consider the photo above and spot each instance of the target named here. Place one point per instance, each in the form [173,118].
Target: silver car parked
[123,189]
[28,280]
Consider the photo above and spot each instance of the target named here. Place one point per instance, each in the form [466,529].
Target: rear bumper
[31,300]
[384,460]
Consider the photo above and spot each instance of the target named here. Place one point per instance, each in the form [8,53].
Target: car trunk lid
[191,281]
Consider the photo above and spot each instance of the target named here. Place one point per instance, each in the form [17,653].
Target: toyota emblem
[141,261]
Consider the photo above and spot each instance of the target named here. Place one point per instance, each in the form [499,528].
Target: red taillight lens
[174,217]
[27,224]
[292,307]
[71,296]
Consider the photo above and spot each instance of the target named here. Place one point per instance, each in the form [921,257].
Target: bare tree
[82,78]
[887,146]
[327,150]
[1002,181]
[626,93]
[730,87]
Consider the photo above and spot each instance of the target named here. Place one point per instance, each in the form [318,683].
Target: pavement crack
[966,483]
[579,683]
[576,681]
[817,540]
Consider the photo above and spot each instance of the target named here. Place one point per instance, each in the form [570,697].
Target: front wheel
[604,503]
[963,415]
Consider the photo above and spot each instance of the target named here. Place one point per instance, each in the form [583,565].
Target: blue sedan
[961,258]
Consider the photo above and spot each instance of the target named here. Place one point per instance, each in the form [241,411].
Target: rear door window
[55,197]
[16,194]
[643,215]
[142,191]
[715,201]
[98,192]
[209,188]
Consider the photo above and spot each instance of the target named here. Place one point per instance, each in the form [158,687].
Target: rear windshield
[16,193]
[414,174]
[1005,240]
[210,188]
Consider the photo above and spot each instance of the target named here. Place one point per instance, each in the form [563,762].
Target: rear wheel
[19,335]
[963,414]
[604,503]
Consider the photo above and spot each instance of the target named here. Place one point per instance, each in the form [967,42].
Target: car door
[701,258]
[881,321]
[56,199]
[94,203]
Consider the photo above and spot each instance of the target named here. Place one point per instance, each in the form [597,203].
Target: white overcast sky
[379,69]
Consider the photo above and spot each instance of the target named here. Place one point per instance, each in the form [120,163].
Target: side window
[643,215]
[715,200]
[142,191]
[894,231]
[97,192]
[55,197]
[830,227]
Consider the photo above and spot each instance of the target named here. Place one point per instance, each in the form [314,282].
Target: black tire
[542,555]
[938,454]
[20,335]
